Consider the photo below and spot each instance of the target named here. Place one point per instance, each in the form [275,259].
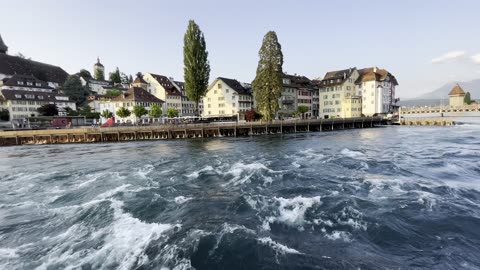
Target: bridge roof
[457,90]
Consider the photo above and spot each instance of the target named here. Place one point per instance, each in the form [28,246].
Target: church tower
[99,71]
[3,47]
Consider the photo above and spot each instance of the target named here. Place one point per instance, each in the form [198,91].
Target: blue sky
[423,43]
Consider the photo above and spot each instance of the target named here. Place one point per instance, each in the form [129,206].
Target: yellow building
[337,94]
[456,96]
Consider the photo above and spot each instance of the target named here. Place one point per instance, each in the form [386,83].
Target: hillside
[471,86]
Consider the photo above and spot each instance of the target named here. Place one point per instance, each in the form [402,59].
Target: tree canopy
[106,114]
[99,74]
[85,73]
[196,66]
[48,110]
[467,99]
[115,77]
[267,85]
[172,112]
[123,112]
[74,89]
[302,109]
[155,111]
[139,111]
[113,93]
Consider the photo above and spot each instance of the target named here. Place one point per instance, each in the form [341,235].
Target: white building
[99,87]
[377,88]
[227,97]
[22,103]
[456,96]
[173,92]
[133,96]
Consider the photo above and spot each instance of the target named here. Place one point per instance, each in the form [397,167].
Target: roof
[337,77]
[167,85]
[300,81]
[139,80]
[3,47]
[15,79]
[375,74]
[242,89]
[11,65]
[98,64]
[457,90]
[32,95]
[137,94]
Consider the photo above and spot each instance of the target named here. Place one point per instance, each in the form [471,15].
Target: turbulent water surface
[383,198]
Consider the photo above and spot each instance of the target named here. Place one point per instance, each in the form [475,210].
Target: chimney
[374,69]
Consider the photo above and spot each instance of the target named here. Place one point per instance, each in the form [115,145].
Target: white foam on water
[182,199]
[124,243]
[338,235]
[231,228]
[196,174]
[242,173]
[144,171]
[8,253]
[291,211]
[351,153]
[279,248]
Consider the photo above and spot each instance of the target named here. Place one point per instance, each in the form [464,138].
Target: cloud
[448,56]
[476,58]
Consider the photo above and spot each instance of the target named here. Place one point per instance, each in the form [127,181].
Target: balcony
[287,101]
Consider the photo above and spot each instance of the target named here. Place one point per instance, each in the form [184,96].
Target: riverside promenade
[163,132]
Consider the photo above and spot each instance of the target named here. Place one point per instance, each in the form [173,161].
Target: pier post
[295,126]
[281,126]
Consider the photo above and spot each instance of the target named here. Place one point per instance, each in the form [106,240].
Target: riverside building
[227,97]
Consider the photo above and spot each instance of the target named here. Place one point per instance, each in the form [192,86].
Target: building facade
[456,96]
[227,97]
[130,98]
[22,103]
[337,89]
[377,88]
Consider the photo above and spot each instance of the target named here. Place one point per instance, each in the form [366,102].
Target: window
[29,83]
[18,96]
[219,86]
[233,104]
[221,98]
[209,105]
[226,91]
[214,91]
[209,112]
[19,82]
[233,97]
[40,97]
[208,99]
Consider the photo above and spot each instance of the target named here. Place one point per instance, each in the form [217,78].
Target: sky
[423,43]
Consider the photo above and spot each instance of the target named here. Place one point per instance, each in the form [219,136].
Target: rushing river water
[383,198]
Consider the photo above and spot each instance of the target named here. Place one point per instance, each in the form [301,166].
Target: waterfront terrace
[163,132]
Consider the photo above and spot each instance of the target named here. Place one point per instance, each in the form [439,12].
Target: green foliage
[196,66]
[115,77]
[74,90]
[139,111]
[155,111]
[172,112]
[467,99]
[99,74]
[302,109]
[123,112]
[125,78]
[267,85]
[85,109]
[85,73]
[130,78]
[106,114]
[48,110]
[113,93]
[71,112]
[4,115]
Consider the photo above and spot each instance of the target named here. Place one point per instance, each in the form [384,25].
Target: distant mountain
[472,86]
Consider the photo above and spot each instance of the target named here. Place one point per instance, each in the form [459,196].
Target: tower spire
[3,47]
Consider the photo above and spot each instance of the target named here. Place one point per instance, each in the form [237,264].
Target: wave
[351,153]
[182,199]
[291,211]
[279,248]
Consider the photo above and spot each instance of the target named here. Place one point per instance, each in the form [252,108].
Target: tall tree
[196,66]
[115,77]
[155,111]
[267,85]
[99,74]
[467,99]
[74,89]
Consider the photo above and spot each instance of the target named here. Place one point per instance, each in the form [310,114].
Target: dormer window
[29,83]
[40,97]
[19,82]
[18,96]
[38,84]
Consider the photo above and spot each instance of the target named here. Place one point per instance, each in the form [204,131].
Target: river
[381,198]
